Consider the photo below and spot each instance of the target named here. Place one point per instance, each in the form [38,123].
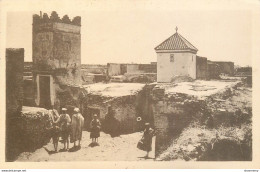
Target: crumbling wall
[123,112]
[196,129]
[201,67]
[172,113]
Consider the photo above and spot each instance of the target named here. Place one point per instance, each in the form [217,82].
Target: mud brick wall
[14,80]
[201,67]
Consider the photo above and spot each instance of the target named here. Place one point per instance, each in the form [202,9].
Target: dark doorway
[45,95]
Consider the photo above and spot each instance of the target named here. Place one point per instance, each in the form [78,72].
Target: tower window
[172,58]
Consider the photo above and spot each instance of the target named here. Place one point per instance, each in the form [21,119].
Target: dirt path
[122,148]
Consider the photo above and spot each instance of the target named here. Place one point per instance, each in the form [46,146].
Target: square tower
[56,56]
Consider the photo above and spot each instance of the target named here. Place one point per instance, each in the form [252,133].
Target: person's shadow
[93,144]
[74,148]
[50,152]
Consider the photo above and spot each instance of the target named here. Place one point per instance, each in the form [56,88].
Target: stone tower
[56,56]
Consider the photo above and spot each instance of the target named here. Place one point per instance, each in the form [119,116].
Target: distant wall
[113,69]
[226,67]
[213,70]
[141,68]
[201,67]
[95,69]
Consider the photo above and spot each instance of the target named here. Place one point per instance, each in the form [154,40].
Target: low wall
[30,131]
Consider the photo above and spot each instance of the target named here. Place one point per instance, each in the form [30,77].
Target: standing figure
[147,139]
[95,126]
[55,129]
[64,121]
[76,127]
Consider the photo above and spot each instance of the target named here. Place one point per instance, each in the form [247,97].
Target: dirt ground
[122,148]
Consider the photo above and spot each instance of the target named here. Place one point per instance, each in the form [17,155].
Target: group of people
[70,129]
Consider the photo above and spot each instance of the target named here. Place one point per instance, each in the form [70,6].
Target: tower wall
[56,55]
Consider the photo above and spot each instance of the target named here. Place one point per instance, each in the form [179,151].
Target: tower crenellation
[54,17]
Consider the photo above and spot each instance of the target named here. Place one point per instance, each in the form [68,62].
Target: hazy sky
[131,36]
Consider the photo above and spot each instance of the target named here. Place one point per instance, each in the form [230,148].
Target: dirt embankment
[223,132]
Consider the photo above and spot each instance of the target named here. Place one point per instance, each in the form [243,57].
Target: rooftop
[114,89]
[199,88]
[176,42]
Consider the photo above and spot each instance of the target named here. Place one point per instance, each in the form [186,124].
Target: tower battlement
[54,17]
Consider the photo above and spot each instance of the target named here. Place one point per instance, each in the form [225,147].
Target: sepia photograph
[128,84]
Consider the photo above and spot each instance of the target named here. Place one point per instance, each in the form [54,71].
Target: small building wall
[184,64]
[201,67]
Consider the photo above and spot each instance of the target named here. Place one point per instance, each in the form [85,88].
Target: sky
[130,36]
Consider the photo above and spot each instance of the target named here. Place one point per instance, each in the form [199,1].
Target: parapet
[39,19]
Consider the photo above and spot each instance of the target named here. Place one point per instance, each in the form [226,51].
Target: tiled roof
[176,42]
